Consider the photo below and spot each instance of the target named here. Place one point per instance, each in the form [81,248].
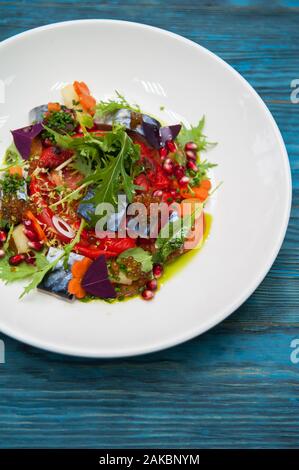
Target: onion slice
[63,227]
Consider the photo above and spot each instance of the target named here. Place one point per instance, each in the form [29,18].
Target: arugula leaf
[10,273]
[106,161]
[38,277]
[111,106]
[64,141]
[194,134]
[140,255]
[172,236]
[115,174]
[83,165]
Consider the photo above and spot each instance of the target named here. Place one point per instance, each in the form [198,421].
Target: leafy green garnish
[140,255]
[115,174]
[111,106]
[107,161]
[83,162]
[203,168]
[10,273]
[172,236]
[64,141]
[194,134]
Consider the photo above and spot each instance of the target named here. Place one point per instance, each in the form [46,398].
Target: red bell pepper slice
[93,253]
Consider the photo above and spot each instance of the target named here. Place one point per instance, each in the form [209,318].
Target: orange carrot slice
[16,170]
[41,234]
[87,101]
[75,288]
[79,268]
[54,107]
[206,184]
[201,193]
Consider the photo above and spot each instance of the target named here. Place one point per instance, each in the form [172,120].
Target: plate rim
[231,308]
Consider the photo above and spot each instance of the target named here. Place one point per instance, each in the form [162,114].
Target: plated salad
[97,198]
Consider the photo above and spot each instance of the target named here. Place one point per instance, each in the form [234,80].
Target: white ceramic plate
[153,67]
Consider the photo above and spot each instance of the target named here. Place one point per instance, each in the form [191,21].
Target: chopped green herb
[59,121]
[10,184]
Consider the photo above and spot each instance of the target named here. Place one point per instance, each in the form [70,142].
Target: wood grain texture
[235,385]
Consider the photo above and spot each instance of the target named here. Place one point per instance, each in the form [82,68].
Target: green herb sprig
[107,162]
[111,106]
[172,236]
[194,134]
[10,184]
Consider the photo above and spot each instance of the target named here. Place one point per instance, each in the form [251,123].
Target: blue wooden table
[234,386]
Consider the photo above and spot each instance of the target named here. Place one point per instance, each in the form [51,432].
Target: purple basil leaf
[169,132]
[157,137]
[96,280]
[23,138]
[152,134]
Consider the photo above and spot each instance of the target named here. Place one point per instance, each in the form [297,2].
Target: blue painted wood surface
[235,385]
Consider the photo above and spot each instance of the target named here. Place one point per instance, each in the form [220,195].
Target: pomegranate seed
[158,193]
[168,166]
[192,165]
[16,259]
[2,254]
[184,181]
[48,142]
[179,171]
[190,155]
[191,146]
[3,236]
[31,235]
[163,152]
[30,258]
[152,284]
[171,146]
[147,294]
[27,223]
[157,270]
[36,246]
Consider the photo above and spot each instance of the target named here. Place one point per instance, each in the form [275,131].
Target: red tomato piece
[52,157]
